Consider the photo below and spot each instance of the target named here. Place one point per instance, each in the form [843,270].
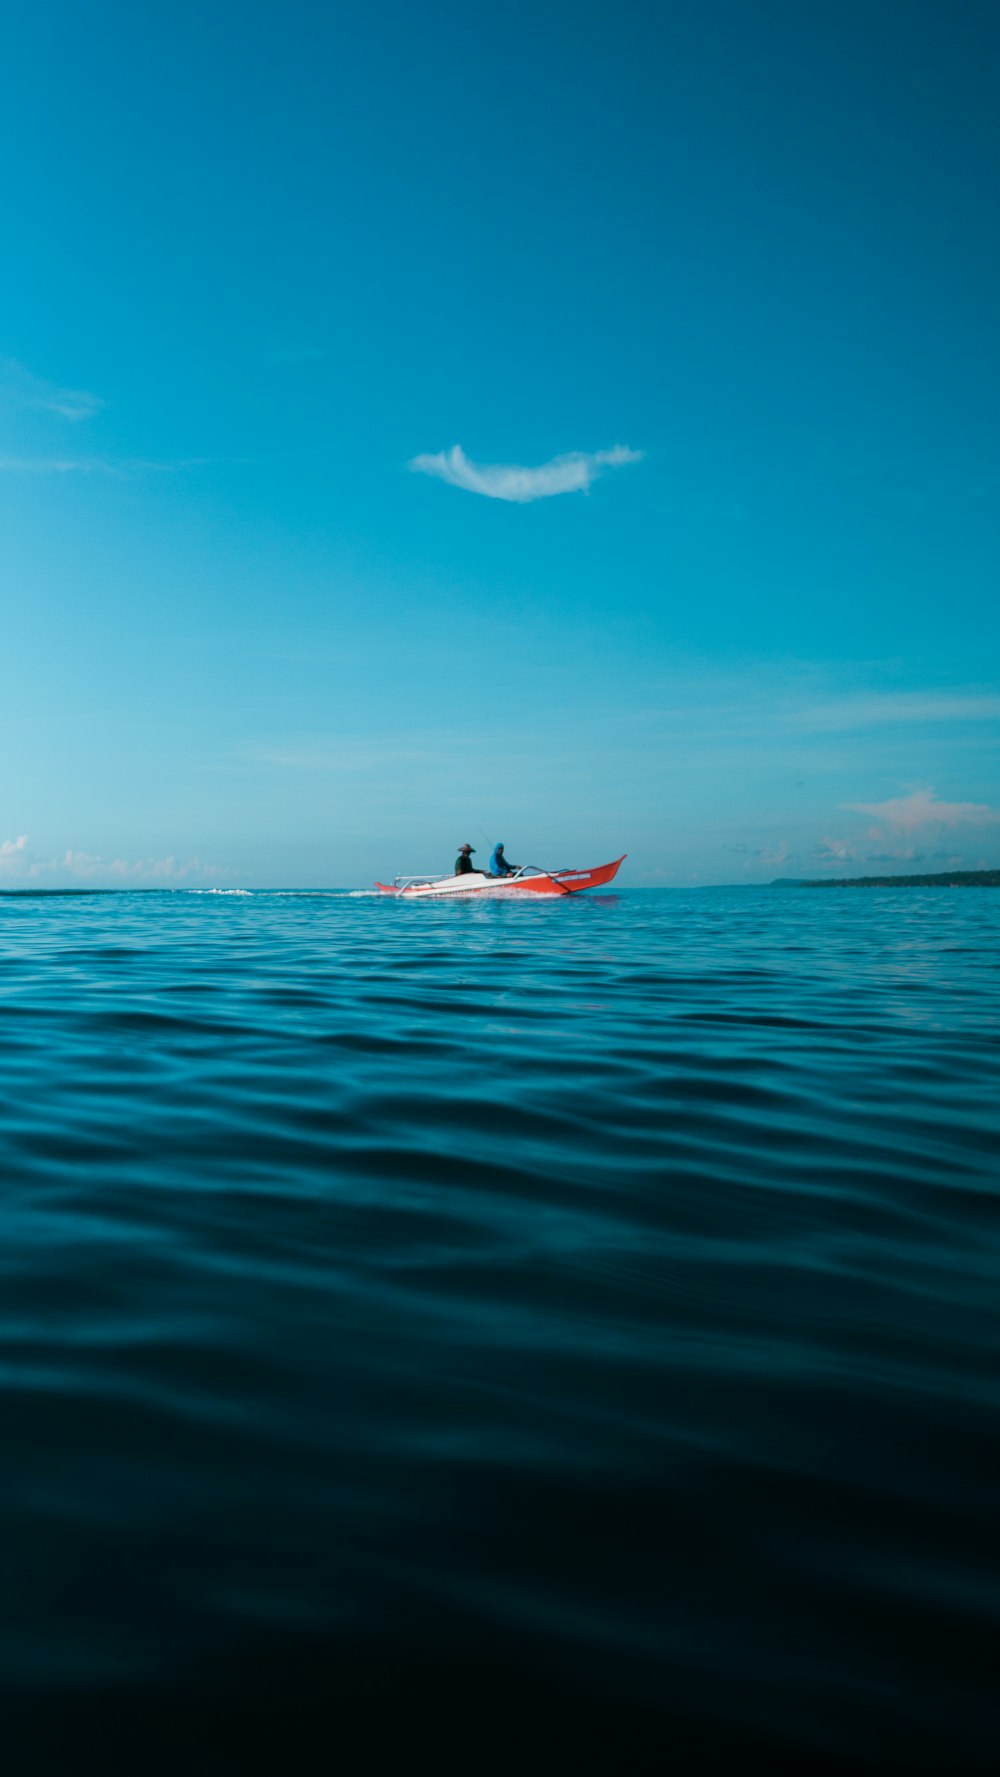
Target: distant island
[942,879]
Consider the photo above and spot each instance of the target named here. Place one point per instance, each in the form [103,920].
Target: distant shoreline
[942,879]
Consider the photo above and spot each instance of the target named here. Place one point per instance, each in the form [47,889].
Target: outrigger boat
[530,879]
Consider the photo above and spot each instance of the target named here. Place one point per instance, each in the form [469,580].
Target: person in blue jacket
[498,863]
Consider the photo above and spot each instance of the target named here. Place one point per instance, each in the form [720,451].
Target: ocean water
[432,1334]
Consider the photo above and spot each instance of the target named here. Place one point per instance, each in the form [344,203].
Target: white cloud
[11,854]
[922,808]
[569,474]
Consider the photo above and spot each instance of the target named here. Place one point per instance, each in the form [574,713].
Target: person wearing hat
[463,863]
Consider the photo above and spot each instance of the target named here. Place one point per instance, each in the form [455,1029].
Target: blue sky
[568,424]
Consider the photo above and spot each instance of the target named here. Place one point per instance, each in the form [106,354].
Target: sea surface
[438,1333]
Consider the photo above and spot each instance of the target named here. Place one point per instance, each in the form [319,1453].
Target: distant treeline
[942,879]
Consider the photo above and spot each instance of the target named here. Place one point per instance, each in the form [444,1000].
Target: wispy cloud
[922,808]
[10,848]
[347,756]
[56,466]
[873,709]
[101,465]
[22,387]
[570,474]
[290,354]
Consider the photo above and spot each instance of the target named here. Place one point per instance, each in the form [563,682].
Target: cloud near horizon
[763,854]
[922,808]
[570,474]
[835,851]
[91,864]
[17,864]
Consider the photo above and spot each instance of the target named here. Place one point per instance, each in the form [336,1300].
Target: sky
[569,424]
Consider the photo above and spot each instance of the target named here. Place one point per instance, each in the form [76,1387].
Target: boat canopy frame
[402,882]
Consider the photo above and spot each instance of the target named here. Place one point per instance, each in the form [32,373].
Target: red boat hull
[535,882]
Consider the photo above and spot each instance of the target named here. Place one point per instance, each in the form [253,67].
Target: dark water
[435,1333]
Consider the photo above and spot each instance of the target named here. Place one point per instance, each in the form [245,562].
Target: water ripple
[599,1300]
